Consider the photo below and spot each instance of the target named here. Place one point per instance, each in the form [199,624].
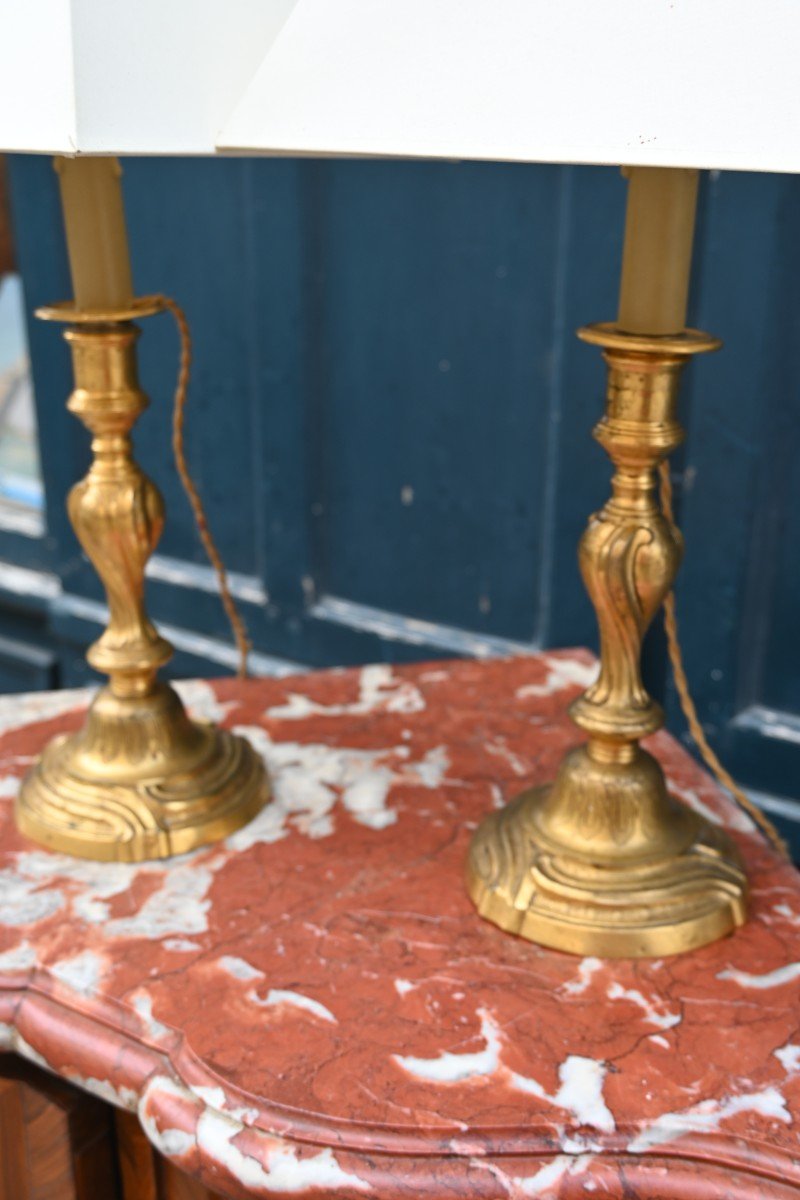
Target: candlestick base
[536,887]
[140,780]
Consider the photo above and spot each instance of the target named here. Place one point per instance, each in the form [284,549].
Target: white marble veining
[18,711]
[451,1067]
[180,905]
[735,818]
[587,968]
[309,778]
[89,884]
[580,1091]
[18,958]
[708,1116]
[652,1012]
[143,1003]
[769,979]
[787,912]
[173,1143]
[546,1178]
[81,972]
[240,968]
[214,1097]
[24,902]
[789,1057]
[280,997]
[561,673]
[581,1079]
[181,945]
[432,768]
[499,749]
[122,1097]
[379,690]
[283,1171]
[201,700]
[12,1039]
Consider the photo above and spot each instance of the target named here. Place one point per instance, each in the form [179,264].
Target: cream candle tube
[97,241]
[657,258]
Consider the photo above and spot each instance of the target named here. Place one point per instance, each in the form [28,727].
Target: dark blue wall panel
[433,424]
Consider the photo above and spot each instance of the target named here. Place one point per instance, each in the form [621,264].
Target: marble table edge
[232,1141]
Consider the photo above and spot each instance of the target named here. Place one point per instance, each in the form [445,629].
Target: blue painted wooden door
[390,422]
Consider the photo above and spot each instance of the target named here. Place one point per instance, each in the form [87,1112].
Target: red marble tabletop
[314,1006]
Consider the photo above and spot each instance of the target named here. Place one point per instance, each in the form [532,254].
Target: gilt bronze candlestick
[605,861]
[140,780]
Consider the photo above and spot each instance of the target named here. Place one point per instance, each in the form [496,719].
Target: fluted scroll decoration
[629,555]
[116,511]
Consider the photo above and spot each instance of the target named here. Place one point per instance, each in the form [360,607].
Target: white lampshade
[691,83]
[127,76]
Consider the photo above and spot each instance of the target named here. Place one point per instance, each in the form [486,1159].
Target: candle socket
[605,861]
[139,780]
